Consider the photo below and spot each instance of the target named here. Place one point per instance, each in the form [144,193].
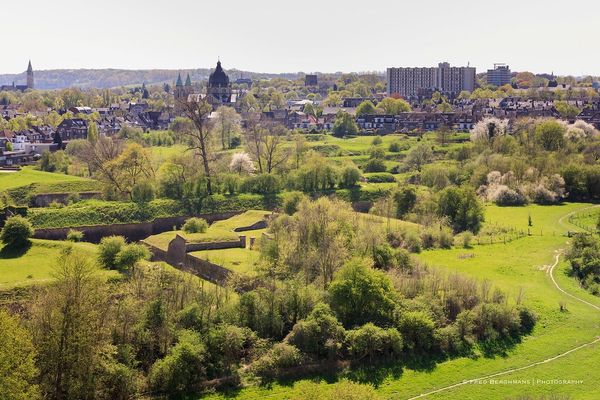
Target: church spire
[29,68]
[29,76]
[179,82]
[188,81]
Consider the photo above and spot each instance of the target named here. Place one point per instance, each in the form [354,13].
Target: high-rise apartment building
[499,76]
[409,82]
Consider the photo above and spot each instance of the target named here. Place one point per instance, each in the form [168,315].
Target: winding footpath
[549,271]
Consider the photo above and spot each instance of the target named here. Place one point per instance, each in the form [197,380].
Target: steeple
[179,82]
[29,76]
[188,81]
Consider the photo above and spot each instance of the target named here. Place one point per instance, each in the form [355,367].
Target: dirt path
[550,272]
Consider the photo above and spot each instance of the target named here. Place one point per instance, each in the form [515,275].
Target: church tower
[29,76]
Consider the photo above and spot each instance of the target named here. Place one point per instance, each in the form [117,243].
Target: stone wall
[131,232]
[206,270]
[228,244]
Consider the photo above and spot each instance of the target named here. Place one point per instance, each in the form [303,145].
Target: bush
[277,359]
[74,235]
[16,232]
[395,147]
[381,177]
[417,329]
[291,201]
[375,165]
[372,341]
[143,192]
[195,225]
[350,177]
[108,249]
[182,371]
[261,184]
[466,239]
[130,254]
[376,141]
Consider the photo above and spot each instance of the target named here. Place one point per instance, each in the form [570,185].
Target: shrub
[277,359]
[182,371]
[320,334]
[383,256]
[381,177]
[261,184]
[291,201]
[74,235]
[143,192]
[395,147]
[16,231]
[108,249]
[130,254]
[375,165]
[376,141]
[466,239]
[350,177]
[372,341]
[195,225]
[417,329]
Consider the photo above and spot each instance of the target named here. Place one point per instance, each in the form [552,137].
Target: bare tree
[198,110]
[264,142]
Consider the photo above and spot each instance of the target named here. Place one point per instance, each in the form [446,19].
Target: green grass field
[520,265]
[36,264]
[28,175]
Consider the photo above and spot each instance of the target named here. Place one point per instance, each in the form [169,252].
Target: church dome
[218,78]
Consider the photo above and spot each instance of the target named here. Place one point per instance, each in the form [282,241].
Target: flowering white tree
[241,163]
[489,128]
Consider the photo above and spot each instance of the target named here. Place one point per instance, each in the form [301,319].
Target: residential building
[408,82]
[499,76]
[311,80]
[70,129]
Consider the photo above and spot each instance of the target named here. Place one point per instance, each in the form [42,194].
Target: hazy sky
[303,35]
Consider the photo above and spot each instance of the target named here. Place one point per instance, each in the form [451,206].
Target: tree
[391,106]
[198,112]
[108,249]
[405,199]
[371,341]
[264,142]
[241,163]
[419,156]
[128,169]
[16,232]
[92,132]
[550,134]
[344,125]
[70,329]
[17,361]
[182,371]
[227,124]
[566,109]
[365,108]
[462,207]
[360,294]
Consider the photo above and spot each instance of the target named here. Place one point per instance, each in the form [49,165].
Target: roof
[218,78]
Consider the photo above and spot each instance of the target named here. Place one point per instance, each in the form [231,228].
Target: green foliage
[143,192]
[195,225]
[462,208]
[584,257]
[16,232]
[344,125]
[129,255]
[392,106]
[280,357]
[261,184]
[417,329]
[375,165]
[74,235]
[183,369]
[320,334]
[349,177]
[376,141]
[372,341]
[381,177]
[291,201]
[359,294]
[365,108]
[56,161]
[405,199]
[18,371]
[109,248]
[550,134]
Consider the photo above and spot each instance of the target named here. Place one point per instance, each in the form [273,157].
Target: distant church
[21,88]
[218,90]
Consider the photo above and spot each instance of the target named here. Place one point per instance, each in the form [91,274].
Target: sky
[306,35]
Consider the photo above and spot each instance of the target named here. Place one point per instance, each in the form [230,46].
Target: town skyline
[146,36]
